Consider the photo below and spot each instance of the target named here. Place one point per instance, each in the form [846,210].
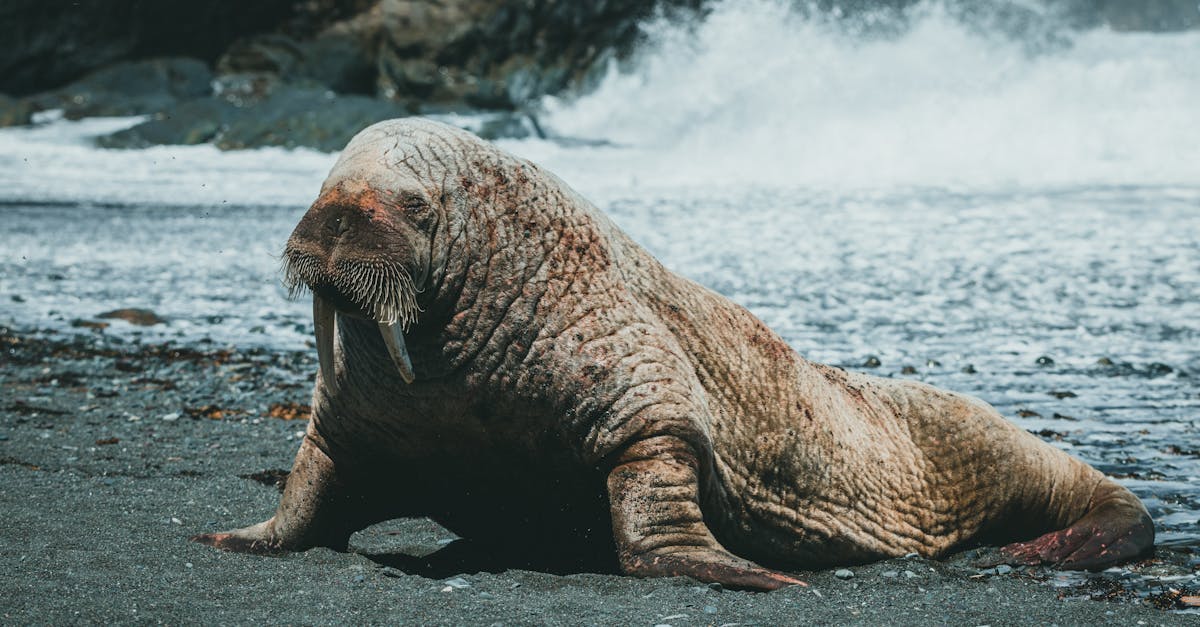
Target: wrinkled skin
[572,394]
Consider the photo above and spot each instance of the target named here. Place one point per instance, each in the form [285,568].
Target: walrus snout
[346,251]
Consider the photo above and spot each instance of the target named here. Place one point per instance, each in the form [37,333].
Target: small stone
[486,595]
[908,574]
[360,578]
[171,417]
[908,370]
[890,574]
[843,573]
[1158,369]
[969,369]
[448,589]
[3,437]
[1104,361]
[1003,569]
[388,571]
[1044,360]
[710,609]
[187,565]
[716,586]
[458,583]
[912,556]
[932,363]
[140,317]
[872,362]
[176,521]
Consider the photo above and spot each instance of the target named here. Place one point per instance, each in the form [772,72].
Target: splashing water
[758,93]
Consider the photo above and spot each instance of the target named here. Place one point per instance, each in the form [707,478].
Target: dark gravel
[113,453]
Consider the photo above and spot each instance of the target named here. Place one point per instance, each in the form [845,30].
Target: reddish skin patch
[1099,540]
[235,544]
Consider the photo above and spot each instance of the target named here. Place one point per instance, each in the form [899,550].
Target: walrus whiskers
[385,291]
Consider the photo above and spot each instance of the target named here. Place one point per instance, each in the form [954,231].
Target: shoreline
[113,453]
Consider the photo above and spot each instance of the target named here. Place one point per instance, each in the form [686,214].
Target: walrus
[494,353]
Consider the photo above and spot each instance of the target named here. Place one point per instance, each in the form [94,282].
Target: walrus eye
[418,211]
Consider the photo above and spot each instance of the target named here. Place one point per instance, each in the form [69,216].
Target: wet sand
[113,453]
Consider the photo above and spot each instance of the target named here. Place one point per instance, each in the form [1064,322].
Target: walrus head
[365,248]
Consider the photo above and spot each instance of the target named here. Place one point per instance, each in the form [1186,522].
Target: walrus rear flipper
[657,523]
[1116,528]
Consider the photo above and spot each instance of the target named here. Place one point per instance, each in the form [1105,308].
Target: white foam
[757,94]
[57,161]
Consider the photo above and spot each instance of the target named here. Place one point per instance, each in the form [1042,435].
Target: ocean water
[1018,222]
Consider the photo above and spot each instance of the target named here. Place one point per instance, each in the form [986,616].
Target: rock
[294,117]
[872,362]
[710,609]
[1044,360]
[15,112]
[908,370]
[189,123]
[1157,369]
[969,369]
[80,323]
[510,126]
[140,317]
[130,88]
[458,583]
[337,62]
[843,573]
[497,54]
[890,574]
[48,43]
[288,116]
[1003,569]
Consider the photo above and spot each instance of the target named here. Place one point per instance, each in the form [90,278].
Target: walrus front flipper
[312,512]
[1115,529]
[657,523]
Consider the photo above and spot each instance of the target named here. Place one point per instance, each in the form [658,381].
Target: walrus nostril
[337,225]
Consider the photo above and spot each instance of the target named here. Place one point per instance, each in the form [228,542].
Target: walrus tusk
[325,324]
[393,336]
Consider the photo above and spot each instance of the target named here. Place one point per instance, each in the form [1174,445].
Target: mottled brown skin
[571,392]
